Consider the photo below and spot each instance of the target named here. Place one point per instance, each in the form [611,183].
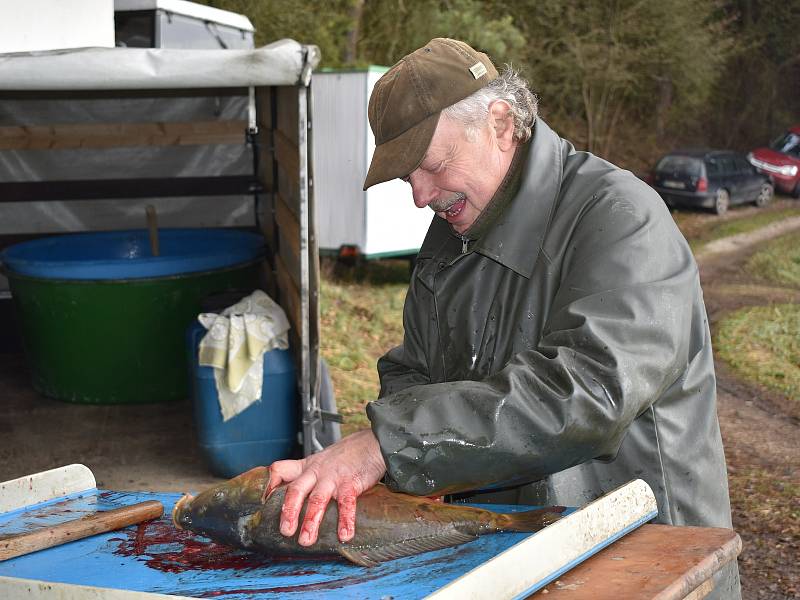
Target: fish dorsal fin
[373,555]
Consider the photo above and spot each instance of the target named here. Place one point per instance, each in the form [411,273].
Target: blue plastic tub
[103,321]
[264,432]
[115,255]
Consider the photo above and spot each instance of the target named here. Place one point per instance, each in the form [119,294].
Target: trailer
[217,138]
[381,222]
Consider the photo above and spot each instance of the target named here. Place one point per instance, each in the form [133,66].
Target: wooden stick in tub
[152,227]
[76,529]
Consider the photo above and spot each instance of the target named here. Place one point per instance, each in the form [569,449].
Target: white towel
[235,345]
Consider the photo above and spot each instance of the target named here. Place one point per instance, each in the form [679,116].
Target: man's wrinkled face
[459,174]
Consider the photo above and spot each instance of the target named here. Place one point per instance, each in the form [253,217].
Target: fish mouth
[179,518]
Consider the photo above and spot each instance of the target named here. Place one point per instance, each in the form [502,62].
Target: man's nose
[422,189]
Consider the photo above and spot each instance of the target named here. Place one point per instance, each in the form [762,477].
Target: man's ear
[502,122]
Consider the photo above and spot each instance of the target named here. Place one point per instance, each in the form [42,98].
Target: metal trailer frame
[275,80]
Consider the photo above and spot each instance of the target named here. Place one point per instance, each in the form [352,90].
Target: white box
[34,25]
[381,222]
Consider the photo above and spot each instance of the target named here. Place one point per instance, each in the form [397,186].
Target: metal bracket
[252,124]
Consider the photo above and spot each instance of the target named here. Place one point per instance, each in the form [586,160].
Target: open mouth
[455,208]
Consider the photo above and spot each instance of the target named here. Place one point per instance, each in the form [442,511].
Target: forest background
[626,79]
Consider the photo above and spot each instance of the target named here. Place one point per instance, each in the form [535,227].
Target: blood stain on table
[171,550]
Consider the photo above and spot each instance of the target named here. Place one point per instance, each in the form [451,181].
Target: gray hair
[473,111]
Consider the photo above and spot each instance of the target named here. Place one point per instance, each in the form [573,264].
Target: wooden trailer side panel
[280,186]
[288,225]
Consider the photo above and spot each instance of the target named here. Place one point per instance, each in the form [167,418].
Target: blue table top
[157,557]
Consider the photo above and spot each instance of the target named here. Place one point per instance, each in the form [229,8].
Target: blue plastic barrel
[264,432]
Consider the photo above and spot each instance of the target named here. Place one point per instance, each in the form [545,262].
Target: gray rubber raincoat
[567,349]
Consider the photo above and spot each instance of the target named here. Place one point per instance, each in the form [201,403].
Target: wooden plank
[654,562]
[288,236]
[117,135]
[295,346]
[77,529]
[266,160]
[267,279]
[289,295]
[290,260]
[288,225]
[288,112]
[287,155]
[289,189]
[104,189]
[267,220]
[264,107]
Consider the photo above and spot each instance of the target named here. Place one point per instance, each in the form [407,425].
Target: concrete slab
[150,447]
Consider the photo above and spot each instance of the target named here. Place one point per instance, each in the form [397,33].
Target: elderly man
[556,343]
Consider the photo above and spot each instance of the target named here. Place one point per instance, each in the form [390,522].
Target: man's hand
[342,471]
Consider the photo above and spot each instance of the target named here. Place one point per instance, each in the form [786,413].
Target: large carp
[389,525]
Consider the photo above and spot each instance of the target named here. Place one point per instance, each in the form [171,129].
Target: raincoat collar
[515,238]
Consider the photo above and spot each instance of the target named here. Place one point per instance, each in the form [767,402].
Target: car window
[788,143]
[742,165]
[727,164]
[676,164]
[712,166]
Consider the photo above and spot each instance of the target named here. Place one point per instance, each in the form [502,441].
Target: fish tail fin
[530,520]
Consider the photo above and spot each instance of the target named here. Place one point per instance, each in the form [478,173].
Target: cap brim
[401,155]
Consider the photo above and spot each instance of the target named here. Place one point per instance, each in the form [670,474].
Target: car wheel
[796,192]
[765,195]
[722,202]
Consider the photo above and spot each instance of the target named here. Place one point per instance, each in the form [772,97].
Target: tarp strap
[310,59]
[252,126]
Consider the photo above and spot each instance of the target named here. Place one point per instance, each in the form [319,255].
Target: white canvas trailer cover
[271,81]
[284,62]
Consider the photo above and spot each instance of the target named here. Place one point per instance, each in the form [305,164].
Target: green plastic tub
[104,322]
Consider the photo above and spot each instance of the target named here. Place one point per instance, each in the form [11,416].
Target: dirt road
[761,439]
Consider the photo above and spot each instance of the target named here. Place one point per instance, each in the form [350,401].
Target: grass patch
[762,344]
[701,232]
[778,261]
[361,317]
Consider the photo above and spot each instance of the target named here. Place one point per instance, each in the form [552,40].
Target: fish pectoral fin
[372,556]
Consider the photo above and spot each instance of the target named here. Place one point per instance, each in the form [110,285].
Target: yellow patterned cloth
[235,345]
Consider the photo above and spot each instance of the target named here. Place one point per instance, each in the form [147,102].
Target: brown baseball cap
[407,100]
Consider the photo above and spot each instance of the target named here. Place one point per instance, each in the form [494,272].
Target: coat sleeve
[616,338]
[406,365]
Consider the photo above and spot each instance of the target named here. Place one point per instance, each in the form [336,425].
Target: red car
[781,161]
